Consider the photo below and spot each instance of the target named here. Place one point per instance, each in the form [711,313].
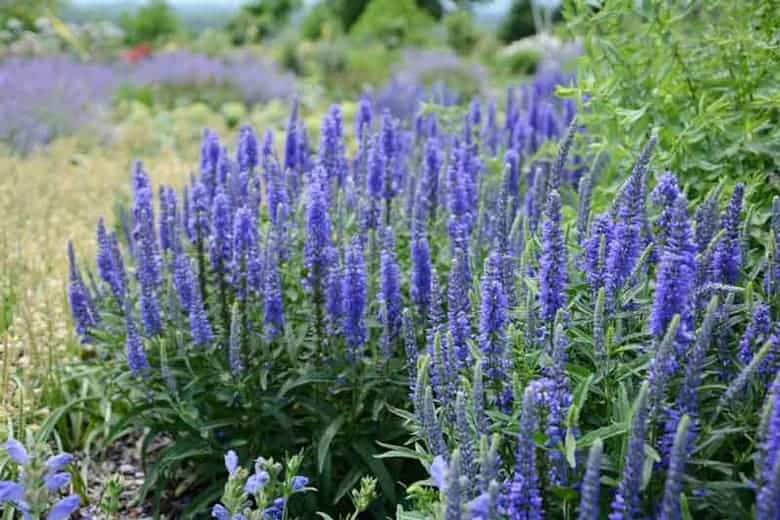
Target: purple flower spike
[552,271]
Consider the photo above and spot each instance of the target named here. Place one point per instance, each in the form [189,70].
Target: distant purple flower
[512,162]
[334,296]
[584,195]
[492,322]
[200,328]
[79,298]
[168,219]
[363,117]
[453,492]
[536,193]
[420,283]
[234,341]
[107,261]
[626,504]
[438,472]
[389,295]
[224,170]
[589,499]
[431,428]
[558,399]
[594,255]
[675,278]
[245,251]
[410,350]
[291,159]
[552,269]
[665,195]
[183,281]
[134,347]
[768,462]
[624,247]
[210,149]
[273,308]
[355,296]
[727,258]
[430,176]
[706,222]
[199,214]
[670,505]
[318,241]
[221,246]
[148,271]
[247,152]
[465,437]
[331,152]
[490,129]
[524,499]
[562,156]
[755,333]
[459,307]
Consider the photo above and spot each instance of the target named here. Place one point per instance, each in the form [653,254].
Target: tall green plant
[705,73]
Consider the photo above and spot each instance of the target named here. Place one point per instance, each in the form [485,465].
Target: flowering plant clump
[37,491]
[262,495]
[262,306]
[618,371]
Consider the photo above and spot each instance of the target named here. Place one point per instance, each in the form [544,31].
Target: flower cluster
[40,481]
[262,495]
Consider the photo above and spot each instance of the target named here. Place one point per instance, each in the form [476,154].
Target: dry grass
[53,195]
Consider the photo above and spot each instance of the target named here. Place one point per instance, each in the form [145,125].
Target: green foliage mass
[705,74]
[260,19]
[25,11]
[462,33]
[151,22]
[394,23]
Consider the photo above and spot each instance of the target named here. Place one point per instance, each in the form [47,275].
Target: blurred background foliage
[704,74]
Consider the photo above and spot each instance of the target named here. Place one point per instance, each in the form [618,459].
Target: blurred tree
[393,22]
[260,19]
[462,33]
[151,22]
[349,11]
[25,11]
[320,22]
[519,21]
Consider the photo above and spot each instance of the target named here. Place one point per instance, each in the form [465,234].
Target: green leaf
[347,483]
[570,446]
[604,433]
[327,438]
[367,454]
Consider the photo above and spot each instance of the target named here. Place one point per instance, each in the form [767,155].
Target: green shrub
[151,22]
[320,20]
[394,23]
[707,76]
[25,11]
[522,62]
[462,33]
[260,19]
[518,22]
